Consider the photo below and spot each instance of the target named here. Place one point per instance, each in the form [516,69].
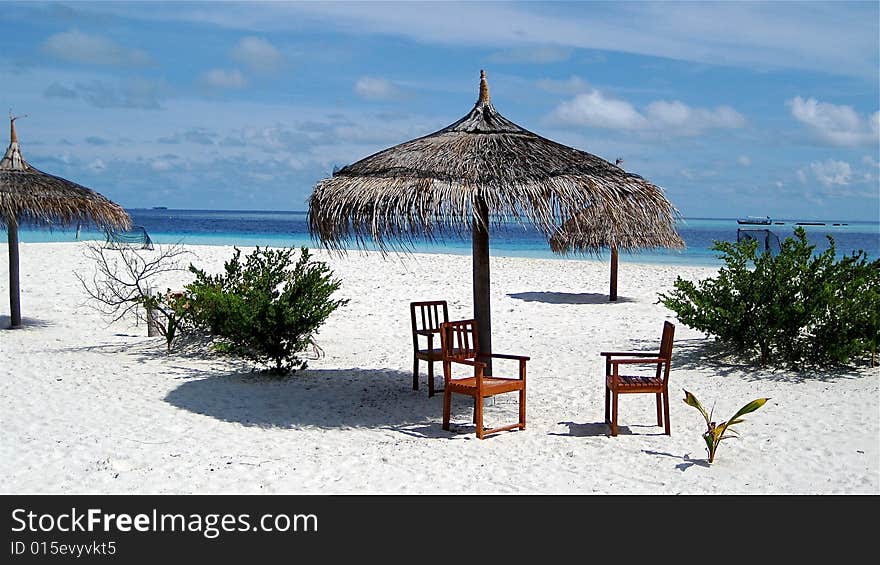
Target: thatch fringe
[628,228]
[27,193]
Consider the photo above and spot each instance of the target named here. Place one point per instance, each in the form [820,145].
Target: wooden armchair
[426,318]
[658,384]
[461,349]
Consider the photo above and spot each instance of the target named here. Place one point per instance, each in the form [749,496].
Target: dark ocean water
[278,229]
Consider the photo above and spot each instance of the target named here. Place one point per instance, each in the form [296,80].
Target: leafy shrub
[266,308]
[167,313]
[795,307]
[123,283]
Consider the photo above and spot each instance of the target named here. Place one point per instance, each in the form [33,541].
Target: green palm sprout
[717,432]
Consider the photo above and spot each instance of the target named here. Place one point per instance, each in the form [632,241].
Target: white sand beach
[87,407]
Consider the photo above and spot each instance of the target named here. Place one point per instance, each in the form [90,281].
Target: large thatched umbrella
[27,193]
[481,170]
[646,224]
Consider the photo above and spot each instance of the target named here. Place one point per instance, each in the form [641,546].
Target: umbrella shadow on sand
[322,398]
[25,322]
[568,297]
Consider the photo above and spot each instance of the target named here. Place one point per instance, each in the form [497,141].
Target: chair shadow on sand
[568,297]
[322,398]
[595,429]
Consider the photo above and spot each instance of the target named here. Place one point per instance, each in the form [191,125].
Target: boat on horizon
[755,220]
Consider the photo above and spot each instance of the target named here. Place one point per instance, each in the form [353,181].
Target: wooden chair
[658,384]
[426,318]
[460,347]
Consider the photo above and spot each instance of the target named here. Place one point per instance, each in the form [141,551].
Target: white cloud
[539,55]
[744,160]
[79,47]
[223,78]
[132,93]
[801,176]
[572,85]
[97,166]
[837,125]
[836,37]
[258,54]
[831,172]
[678,115]
[373,88]
[594,109]
[56,90]
[160,165]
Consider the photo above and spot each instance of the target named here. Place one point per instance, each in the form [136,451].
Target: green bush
[796,307]
[266,308]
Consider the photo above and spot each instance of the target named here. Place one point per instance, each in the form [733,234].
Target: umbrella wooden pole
[482,310]
[14,295]
[612,296]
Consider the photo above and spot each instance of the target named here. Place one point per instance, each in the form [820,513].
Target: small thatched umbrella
[481,169]
[648,223]
[27,193]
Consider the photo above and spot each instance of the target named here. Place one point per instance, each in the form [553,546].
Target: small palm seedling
[717,432]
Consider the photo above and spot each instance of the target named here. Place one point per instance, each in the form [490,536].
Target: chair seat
[636,383]
[494,385]
[431,354]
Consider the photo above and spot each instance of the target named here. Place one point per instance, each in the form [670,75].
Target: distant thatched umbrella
[27,193]
[481,169]
[646,224]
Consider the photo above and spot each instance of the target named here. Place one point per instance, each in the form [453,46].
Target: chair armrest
[634,361]
[629,353]
[468,362]
[505,356]
[427,332]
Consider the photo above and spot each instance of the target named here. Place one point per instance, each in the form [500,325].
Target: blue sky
[734,108]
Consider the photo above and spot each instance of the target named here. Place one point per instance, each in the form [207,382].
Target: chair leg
[666,409]
[447,408]
[607,406]
[614,414]
[431,380]
[415,373]
[522,409]
[478,416]
[659,410]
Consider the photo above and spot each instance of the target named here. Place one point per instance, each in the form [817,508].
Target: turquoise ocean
[290,228]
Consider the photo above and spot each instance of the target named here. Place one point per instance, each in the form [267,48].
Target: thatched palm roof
[428,186]
[479,170]
[28,193]
[632,229]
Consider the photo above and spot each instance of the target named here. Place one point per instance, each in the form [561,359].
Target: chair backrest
[666,347]
[458,339]
[427,315]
